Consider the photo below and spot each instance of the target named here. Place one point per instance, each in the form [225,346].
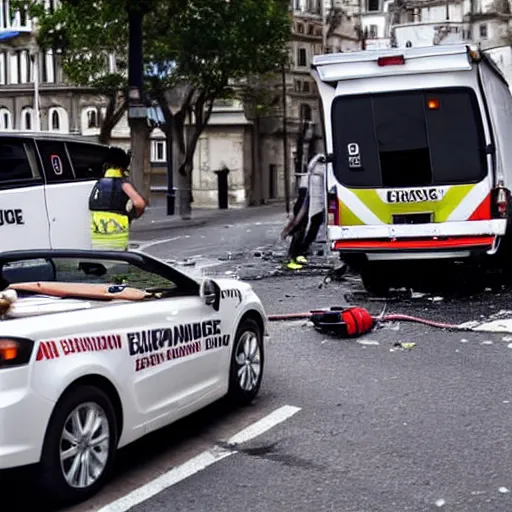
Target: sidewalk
[156,218]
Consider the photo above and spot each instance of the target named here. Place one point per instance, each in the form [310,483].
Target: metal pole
[137,111]
[324,26]
[171,196]
[285,145]
[37,108]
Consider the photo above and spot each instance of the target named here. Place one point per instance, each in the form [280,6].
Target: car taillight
[500,202]
[333,217]
[15,351]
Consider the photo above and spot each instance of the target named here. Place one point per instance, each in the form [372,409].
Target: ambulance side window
[16,170]
[87,159]
[57,168]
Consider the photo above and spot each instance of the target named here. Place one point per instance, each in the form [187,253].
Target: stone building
[232,139]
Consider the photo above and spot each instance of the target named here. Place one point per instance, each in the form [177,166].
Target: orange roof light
[433,104]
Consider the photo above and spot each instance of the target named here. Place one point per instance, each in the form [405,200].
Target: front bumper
[24,416]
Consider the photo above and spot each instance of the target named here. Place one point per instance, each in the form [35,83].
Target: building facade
[253,152]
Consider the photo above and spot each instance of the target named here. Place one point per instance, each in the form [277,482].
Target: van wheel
[79,448]
[375,280]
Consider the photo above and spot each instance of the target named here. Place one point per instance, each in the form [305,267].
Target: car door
[176,368]
[24,221]
[69,180]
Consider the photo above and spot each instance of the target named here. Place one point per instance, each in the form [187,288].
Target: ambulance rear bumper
[418,241]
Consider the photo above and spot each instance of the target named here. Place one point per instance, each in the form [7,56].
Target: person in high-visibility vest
[114,203]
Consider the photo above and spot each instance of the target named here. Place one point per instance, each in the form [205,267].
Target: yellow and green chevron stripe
[383,211]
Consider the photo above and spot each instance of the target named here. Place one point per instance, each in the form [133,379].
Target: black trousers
[302,240]
[299,231]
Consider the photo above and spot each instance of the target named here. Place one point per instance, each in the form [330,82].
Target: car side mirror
[210,293]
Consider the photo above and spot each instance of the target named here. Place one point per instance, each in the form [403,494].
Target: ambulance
[418,146]
[45,182]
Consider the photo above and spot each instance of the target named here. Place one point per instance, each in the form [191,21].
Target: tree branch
[114,114]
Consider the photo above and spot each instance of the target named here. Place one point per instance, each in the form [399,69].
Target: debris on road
[405,345]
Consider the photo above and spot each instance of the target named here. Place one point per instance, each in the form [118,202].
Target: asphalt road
[380,427]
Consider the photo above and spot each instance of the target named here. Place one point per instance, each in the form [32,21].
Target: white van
[45,181]
[419,155]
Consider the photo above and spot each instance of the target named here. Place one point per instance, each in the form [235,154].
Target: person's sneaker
[302,259]
[293,265]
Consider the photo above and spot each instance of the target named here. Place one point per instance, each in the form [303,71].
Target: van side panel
[499,103]
[23,215]
[71,170]
[23,219]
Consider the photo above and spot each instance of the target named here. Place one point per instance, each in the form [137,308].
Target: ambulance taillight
[500,201]
[333,214]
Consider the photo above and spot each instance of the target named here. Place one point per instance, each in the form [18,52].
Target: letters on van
[11,217]
[419,195]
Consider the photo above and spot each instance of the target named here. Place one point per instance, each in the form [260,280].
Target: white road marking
[198,463]
[147,245]
[266,423]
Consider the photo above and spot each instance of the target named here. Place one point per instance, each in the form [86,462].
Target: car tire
[244,384]
[87,400]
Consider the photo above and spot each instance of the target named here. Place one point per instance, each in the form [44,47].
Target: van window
[55,161]
[87,160]
[14,161]
[408,138]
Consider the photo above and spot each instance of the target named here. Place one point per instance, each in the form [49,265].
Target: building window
[27,118]
[3,68]
[302,58]
[158,148]
[48,67]
[483,31]
[24,67]
[373,5]
[92,119]
[55,120]
[300,28]
[58,120]
[306,87]
[373,32]
[5,119]
[305,112]
[5,14]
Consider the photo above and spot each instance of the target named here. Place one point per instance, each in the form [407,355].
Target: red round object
[357,320]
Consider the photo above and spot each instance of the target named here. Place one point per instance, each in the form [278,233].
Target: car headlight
[15,351]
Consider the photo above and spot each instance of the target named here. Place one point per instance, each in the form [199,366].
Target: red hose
[432,323]
[385,318]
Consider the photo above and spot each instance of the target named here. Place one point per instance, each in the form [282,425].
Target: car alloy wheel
[247,363]
[84,445]
[79,447]
[248,359]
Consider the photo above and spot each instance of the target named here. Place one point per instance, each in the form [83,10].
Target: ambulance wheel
[375,280]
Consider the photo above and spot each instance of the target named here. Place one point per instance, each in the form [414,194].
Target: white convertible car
[97,349]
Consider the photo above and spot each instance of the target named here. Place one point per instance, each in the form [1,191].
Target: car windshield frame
[144,262]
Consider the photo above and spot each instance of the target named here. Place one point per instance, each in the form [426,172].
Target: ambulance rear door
[24,220]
